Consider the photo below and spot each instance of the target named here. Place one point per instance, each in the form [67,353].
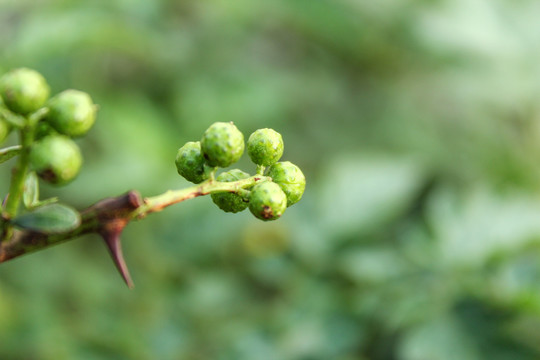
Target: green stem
[20,170]
[159,202]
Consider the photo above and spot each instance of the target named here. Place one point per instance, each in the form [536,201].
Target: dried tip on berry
[56,159]
[72,112]
[190,162]
[265,147]
[24,90]
[222,144]
[226,201]
[267,201]
[290,178]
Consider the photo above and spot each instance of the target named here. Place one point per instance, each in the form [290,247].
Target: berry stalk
[19,173]
[210,186]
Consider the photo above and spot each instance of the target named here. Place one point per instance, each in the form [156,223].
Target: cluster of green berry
[222,145]
[48,124]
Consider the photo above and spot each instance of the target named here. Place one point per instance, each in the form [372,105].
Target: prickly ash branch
[110,216]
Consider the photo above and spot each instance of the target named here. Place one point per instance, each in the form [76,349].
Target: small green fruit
[222,144]
[56,159]
[4,130]
[290,178]
[267,201]
[190,162]
[24,90]
[226,201]
[72,112]
[265,147]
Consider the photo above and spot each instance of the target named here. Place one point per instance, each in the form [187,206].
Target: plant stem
[116,211]
[20,170]
[157,203]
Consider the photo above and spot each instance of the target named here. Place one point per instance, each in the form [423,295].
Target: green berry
[24,90]
[4,130]
[265,147]
[72,112]
[56,159]
[267,201]
[190,162]
[222,144]
[290,178]
[226,201]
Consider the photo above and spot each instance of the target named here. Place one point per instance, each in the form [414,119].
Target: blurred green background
[417,124]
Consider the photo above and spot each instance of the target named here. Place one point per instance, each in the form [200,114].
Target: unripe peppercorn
[56,159]
[226,201]
[265,147]
[290,178]
[72,112]
[267,201]
[24,90]
[222,144]
[190,162]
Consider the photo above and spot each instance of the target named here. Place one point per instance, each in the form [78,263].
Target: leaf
[9,152]
[31,190]
[442,338]
[363,193]
[49,219]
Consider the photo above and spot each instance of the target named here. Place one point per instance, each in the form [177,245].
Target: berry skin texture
[226,201]
[267,201]
[56,159]
[265,147]
[290,178]
[24,90]
[72,112]
[190,162]
[222,144]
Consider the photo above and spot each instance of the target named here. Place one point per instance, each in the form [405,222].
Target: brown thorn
[111,236]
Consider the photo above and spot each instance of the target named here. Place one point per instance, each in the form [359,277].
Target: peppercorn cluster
[50,123]
[222,145]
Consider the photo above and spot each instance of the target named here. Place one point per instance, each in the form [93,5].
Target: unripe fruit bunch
[222,145]
[49,122]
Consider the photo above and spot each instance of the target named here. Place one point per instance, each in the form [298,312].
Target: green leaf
[31,190]
[49,219]
[9,152]
[360,194]
[442,338]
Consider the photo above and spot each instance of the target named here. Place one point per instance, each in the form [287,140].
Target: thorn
[113,242]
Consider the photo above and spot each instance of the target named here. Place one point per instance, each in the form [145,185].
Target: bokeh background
[417,124]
